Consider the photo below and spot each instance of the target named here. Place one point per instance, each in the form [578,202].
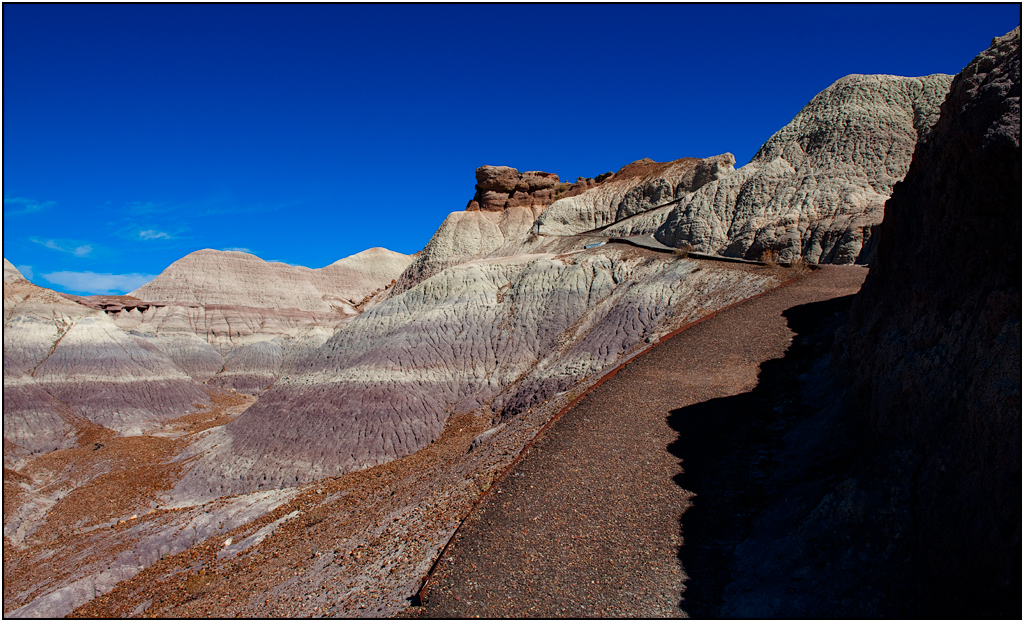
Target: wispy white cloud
[22,205]
[95,283]
[66,246]
[26,271]
[147,230]
[240,249]
[152,234]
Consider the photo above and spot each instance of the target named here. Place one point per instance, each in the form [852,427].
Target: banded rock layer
[68,367]
[233,320]
[639,187]
[587,204]
[497,336]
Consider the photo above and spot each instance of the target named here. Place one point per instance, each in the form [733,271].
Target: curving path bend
[587,524]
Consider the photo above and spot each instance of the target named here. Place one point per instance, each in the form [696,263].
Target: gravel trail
[587,524]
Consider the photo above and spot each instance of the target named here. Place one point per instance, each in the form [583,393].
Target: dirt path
[588,523]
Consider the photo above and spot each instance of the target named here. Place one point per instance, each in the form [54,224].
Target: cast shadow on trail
[729,448]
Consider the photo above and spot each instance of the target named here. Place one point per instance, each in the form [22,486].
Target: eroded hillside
[391,389]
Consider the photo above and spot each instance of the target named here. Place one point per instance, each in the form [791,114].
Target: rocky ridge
[538,222]
[816,188]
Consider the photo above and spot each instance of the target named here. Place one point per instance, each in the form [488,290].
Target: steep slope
[638,187]
[493,336]
[934,339]
[909,501]
[817,186]
[11,274]
[516,213]
[502,210]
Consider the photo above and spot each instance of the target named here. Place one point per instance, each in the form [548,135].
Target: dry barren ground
[87,532]
[597,518]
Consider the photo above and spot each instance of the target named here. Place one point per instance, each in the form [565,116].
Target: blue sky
[135,134]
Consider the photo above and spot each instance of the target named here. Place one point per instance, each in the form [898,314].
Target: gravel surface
[588,523]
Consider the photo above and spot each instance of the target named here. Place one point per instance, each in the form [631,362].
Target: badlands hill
[210,277]
[232,320]
[502,310]
[382,409]
[68,368]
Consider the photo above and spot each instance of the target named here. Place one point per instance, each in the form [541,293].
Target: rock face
[501,187]
[639,187]
[582,206]
[934,339]
[816,187]
[922,480]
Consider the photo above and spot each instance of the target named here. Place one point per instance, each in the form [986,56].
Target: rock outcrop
[638,187]
[501,187]
[816,188]
[913,508]
[525,226]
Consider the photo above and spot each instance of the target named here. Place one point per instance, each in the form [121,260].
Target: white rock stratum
[816,187]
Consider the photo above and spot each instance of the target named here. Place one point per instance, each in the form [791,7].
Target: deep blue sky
[135,134]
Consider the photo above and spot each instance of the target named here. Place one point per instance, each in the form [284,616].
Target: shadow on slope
[730,451]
